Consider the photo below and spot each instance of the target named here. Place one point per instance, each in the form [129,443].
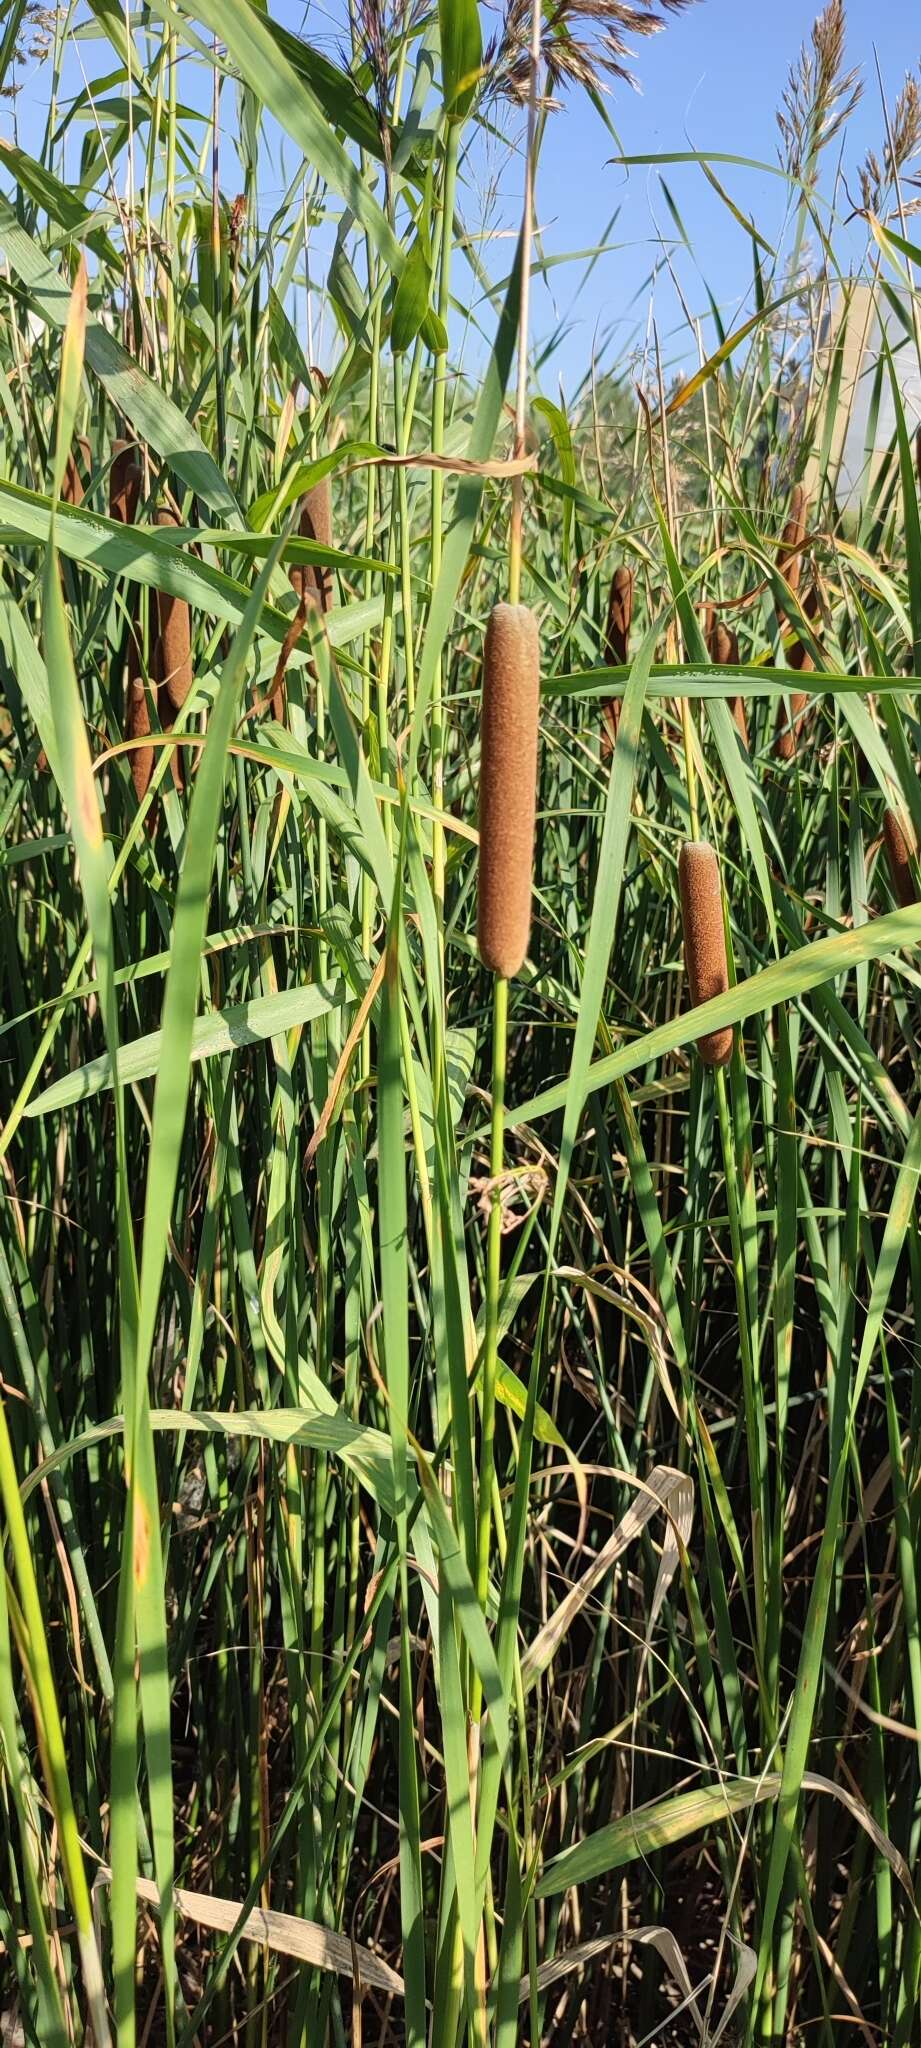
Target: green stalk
[493,1284]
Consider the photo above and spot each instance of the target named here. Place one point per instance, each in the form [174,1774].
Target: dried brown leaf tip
[617,644]
[509,726]
[704,940]
[313,581]
[723,649]
[898,856]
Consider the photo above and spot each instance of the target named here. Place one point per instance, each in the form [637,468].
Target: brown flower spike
[898,855]
[509,725]
[174,642]
[617,644]
[723,649]
[704,940]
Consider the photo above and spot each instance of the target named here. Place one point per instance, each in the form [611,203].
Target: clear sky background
[712,81]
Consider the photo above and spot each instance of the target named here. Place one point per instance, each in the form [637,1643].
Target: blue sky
[712,81]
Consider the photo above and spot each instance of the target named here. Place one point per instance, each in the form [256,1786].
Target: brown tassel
[704,940]
[898,855]
[509,726]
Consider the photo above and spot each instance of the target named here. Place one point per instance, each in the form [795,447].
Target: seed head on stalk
[704,940]
[583,42]
[508,786]
[898,855]
[723,649]
[617,642]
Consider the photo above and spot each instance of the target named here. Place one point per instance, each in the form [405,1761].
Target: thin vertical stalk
[493,1282]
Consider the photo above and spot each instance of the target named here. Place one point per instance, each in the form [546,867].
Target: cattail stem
[752,1402]
[493,1284]
[527,227]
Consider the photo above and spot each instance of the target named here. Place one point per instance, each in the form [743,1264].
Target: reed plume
[617,645]
[898,855]
[723,649]
[509,726]
[704,940]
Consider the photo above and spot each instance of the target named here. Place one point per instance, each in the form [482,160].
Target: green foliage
[460,1459]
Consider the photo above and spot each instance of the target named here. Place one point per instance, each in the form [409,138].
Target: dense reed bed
[460,1391]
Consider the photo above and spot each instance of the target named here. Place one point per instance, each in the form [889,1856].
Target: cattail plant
[137,727]
[790,564]
[899,856]
[508,786]
[704,940]
[723,649]
[72,488]
[125,479]
[173,659]
[617,643]
[313,581]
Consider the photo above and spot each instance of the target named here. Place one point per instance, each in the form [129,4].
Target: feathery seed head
[704,940]
[509,725]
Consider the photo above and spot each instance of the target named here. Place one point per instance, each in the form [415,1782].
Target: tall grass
[459,1451]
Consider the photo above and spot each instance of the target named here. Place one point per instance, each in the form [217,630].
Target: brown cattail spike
[898,854]
[723,649]
[509,727]
[124,482]
[617,643]
[790,563]
[313,581]
[174,640]
[137,726]
[620,618]
[790,558]
[704,940]
[72,488]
